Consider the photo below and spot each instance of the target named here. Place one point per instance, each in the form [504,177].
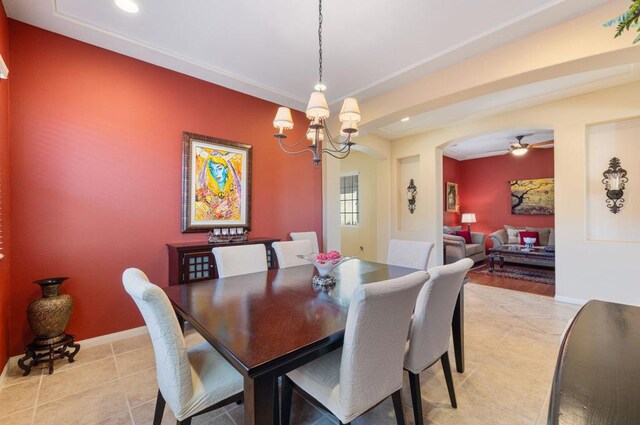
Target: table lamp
[468,218]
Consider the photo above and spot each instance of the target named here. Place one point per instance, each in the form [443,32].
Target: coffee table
[502,252]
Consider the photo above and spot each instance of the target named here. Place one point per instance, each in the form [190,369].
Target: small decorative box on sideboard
[193,261]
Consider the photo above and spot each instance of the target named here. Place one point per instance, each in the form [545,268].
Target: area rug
[510,271]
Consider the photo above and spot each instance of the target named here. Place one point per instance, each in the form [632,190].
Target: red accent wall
[96,155]
[484,188]
[450,174]
[5,283]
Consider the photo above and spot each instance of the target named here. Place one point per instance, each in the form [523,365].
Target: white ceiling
[496,143]
[269,48]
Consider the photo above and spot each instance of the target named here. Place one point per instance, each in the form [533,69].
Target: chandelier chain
[320,39]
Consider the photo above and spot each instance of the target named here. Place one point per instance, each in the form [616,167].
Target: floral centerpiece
[325,263]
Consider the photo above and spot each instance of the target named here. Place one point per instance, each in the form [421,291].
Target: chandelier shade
[350,111]
[283,120]
[317,107]
[349,128]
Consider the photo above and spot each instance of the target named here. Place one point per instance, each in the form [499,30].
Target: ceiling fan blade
[542,144]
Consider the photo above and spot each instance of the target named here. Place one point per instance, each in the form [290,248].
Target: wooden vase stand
[40,351]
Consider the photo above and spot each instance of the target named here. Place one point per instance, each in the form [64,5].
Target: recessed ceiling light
[405,119]
[128,6]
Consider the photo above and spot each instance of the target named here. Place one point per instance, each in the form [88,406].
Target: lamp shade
[311,134]
[350,111]
[519,151]
[468,218]
[347,129]
[317,107]
[283,120]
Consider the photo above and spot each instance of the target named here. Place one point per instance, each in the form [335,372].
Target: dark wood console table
[193,261]
[597,379]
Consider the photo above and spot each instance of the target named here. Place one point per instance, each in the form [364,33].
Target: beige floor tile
[135,361]
[384,414]
[84,377]
[84,356]
[14,374]
[122,418]
[140,387]
[130,344]
[143,414]
[18,397]
[87,407]
[507,389]
[23,417]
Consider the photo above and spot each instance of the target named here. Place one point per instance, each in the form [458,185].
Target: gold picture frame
[452,201]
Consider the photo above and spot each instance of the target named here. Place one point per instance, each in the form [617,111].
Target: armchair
[456,248]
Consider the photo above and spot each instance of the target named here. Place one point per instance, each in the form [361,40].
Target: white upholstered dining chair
[368,369]
[241,259]
[287,252]
[192,380]
[411,254]
[430,329]
[310,236]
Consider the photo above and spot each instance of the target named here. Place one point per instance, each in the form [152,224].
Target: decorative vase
[324,267]
[48,316]
[528,243]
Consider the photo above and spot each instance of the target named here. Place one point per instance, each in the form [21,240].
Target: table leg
[501,262]
[492,262]
[457,325]
[260,400]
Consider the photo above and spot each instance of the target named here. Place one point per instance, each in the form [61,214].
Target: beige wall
[585,269]
[361,240]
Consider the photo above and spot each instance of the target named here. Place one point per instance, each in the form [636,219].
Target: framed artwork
[451,198]
[532,197]
[216,184]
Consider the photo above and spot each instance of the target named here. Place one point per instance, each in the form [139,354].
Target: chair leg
[397,406]
[416,397]
[157,417]
[287,395]
[446,368]
[184,422]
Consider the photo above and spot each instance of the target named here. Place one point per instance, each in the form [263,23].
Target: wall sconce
[412,192]
[614,179]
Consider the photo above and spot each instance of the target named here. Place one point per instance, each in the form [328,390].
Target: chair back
[431,324]
[411,254]
[241,259]
[374,341]
[310,236]
[287,252]
[172,364]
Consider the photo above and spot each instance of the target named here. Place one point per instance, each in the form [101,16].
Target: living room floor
[521,285]
[511,344]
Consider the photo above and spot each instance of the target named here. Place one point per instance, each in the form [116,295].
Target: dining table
[269,323]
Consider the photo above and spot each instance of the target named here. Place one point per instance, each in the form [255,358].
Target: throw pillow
[466,235]
[530,235]
[446,230]
[512,234]
[543,232]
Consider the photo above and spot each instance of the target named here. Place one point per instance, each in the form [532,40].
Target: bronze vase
[48,316]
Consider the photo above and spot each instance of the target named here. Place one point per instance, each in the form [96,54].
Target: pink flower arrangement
[333,256]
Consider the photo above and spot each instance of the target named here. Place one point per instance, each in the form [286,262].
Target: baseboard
[570,300]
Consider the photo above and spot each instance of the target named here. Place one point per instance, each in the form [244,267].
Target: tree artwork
[532,197]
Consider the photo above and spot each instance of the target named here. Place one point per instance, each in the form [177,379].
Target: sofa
[455,247]
[510,235]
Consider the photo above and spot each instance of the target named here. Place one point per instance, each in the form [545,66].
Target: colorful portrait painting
[532,197]
[216,183]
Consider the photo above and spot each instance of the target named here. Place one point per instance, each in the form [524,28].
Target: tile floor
[512,341]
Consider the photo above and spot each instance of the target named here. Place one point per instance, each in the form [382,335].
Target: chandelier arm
[292,145]
[331,153]
[305,150]
[334,142]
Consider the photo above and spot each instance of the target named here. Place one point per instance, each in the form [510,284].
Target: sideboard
[193,261]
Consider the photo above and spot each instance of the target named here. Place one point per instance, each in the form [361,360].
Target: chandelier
[318,140]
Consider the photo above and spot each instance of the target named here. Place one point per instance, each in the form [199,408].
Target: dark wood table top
[597,378]
[521,251]
[260,321]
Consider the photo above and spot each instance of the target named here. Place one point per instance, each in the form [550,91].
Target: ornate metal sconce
[614,179]
[412,192]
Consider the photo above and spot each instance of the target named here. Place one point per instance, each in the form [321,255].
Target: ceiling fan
[520,148]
